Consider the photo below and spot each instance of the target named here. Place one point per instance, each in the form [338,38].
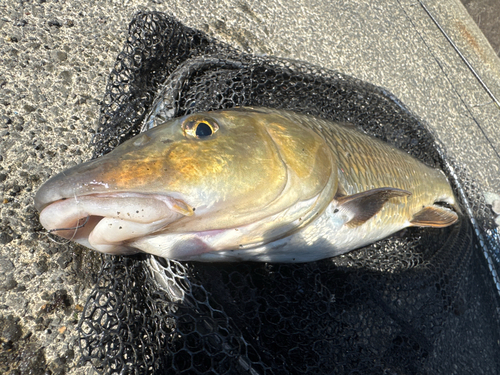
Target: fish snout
[78,180]
[85,205]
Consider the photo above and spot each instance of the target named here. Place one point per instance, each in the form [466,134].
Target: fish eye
[204,130]
[199,128]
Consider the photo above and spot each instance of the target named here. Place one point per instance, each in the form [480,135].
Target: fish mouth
[110,222]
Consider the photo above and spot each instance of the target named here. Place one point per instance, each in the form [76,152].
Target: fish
[245,184]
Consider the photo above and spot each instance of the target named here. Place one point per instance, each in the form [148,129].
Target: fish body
[244,184]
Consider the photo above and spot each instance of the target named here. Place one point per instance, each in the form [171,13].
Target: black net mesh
[422,301]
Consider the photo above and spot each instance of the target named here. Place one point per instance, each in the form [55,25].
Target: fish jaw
[109,222]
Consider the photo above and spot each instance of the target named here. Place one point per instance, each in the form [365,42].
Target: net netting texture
[420,302]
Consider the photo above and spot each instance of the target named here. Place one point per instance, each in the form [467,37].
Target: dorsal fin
[363,206]
[434,216]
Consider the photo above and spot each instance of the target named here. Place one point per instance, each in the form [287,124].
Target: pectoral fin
[363,206]
[434,216]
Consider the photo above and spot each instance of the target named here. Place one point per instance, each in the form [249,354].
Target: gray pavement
[54,60]
[485,15]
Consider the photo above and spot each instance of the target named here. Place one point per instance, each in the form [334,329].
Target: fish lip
[85,219]
[171,200]
[42,197]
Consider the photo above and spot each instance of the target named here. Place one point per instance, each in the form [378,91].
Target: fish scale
[377,165]
[369,160]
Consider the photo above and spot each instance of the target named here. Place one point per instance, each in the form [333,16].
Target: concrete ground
[55,57]
[485,15]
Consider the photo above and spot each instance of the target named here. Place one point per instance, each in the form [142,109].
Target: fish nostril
[142,140]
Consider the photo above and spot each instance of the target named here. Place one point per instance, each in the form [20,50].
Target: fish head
[191,184]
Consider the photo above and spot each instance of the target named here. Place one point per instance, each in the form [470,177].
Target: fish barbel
[244,184]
